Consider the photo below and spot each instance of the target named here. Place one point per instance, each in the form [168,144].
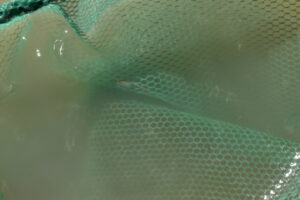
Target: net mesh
[192,99]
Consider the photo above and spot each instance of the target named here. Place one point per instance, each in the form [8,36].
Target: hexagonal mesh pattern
[204,96]
[149,152]
[214,56]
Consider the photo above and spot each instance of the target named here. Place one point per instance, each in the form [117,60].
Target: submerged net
[169,99]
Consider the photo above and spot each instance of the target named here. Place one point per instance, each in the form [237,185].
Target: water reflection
[38,53]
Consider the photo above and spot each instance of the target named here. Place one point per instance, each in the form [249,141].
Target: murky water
[49,105]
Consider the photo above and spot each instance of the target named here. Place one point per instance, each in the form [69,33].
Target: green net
[144,99]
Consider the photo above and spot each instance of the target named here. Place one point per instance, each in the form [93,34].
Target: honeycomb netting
[171,99]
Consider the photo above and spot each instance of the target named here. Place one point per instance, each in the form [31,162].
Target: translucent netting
[192,99]
[149,152]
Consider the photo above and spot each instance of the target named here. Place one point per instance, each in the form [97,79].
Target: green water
[166,101]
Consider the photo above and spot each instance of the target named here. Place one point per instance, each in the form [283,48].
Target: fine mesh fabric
[180,99]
